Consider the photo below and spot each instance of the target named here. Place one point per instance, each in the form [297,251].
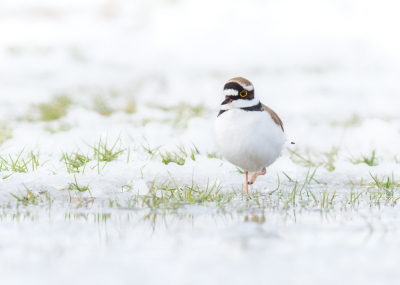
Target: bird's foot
[254,176]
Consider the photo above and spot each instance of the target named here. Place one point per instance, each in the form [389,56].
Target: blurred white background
[316,63]
[330,53]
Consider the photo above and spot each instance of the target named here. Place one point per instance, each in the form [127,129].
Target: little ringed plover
[248,133]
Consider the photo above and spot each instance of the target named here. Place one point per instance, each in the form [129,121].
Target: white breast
[248,139]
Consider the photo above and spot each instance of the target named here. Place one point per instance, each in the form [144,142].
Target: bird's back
[273,115]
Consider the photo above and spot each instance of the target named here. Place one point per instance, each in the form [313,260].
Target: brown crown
[240,80]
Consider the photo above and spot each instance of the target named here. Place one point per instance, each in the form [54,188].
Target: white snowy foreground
[109,172]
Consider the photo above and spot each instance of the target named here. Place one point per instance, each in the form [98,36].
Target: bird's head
[239,93]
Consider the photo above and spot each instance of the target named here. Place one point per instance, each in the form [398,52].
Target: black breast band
[255,108]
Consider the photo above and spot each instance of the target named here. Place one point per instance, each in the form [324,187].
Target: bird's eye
[243,93]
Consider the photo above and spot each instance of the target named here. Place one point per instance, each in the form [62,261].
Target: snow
[330,70]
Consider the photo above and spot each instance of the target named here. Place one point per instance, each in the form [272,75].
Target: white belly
[249,140]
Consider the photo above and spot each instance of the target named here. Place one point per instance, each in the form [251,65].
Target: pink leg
[247,182]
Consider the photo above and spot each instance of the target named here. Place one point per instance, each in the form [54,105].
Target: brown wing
[274,116]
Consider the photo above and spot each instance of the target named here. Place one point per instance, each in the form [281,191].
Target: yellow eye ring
[243,93]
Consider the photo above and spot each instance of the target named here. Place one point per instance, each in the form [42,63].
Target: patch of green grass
[75,186]
[167,196]
[173,156]
[5,133]
[101,104]
[26,199]
[302,159]
[179,157]
[174,196]
[307,159]
[54,109]
[181,113]
[104,152]
[74,161]
[386,184]
[109,101]
[21,163]
[330,158]
[130,106]
[152,151]
[214,154]
[311,177]
[370,160]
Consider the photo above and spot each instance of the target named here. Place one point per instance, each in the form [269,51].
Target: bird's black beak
[227,101]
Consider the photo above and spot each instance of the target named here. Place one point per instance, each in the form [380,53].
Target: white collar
[240,103]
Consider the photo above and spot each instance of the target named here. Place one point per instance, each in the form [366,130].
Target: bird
[247,133]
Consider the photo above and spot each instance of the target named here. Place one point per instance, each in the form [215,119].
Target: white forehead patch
[248,87]
[231,92]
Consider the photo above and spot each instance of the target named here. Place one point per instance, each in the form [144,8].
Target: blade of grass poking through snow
[308,173]
[293,195]
[384,185]
[16,165]
[279,183]
[34,160]
[64,156]
[290,179]
[312,194]
[375,179]
[239,170]
[141,169]
[323,198]
[302,187]
[195,148]
[75,186]
[74,161]
[357,197]
[333,196]
[5,177]
[150,189]
[86,161]
[303,161]
[182,150]
[194,152]
[351,182]
[29,198]
[371,161]
[395,201]
[312,175]
[103,153]
[153,152]
[4,164]
[173,156]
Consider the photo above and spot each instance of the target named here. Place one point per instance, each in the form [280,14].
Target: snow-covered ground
[106,115]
